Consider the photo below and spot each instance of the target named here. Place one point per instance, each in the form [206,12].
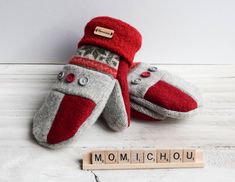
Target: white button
[136,81]
[152,69]
[60,76]
[83,81]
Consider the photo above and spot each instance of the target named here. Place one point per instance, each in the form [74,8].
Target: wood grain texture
[24,87]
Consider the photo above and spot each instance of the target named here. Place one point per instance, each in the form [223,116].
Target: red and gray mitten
[156,94]
[97,74]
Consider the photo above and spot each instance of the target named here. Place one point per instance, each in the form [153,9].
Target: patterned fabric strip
[98,54]
[94,65]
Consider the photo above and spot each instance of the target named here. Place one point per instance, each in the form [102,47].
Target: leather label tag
[104,32]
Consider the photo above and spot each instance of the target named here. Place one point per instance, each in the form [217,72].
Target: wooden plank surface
[23,88]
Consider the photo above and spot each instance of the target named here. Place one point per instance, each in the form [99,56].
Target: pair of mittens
[94,79]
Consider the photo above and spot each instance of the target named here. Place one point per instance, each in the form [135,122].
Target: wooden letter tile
[163,156]
[150,156]
[124,156]
[142,159]
[176,156]
[98,157]
[137,156]
[111,157]
[189,155]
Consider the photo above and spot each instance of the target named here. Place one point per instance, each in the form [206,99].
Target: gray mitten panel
[114,112]
[139,85]
[74,103]
[87,83]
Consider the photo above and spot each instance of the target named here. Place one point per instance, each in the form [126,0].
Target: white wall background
[174,31]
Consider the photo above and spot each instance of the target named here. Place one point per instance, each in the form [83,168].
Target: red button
[70,77]
[145,74]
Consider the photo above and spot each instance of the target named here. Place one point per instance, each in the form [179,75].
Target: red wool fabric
[139,115]
[73,111]
[170,97]
[122,78]
[126,40]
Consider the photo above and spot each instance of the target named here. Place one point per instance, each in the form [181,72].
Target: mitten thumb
[114,113]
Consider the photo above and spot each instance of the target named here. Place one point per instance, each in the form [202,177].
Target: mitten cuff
[123,40]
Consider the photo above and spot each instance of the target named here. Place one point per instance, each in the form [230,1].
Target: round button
[145,74]
[83,81]
[70,77]
[60,76]
[136,81]
[152,69]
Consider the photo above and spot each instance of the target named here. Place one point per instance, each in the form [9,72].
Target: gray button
[83,81]
[60,76]
[136,81]
[152,69]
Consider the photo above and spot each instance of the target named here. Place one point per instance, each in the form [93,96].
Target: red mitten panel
[170,97]
[72,113]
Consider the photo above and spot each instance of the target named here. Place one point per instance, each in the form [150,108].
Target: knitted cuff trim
[94,65]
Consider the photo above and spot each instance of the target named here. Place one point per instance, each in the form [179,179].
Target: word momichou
[140,159]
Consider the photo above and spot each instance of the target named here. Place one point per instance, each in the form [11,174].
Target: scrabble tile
[189,155]
[124,156]
[111,157]
[150,156]
[176,155]
[163,156]
[137,156]
[98,157]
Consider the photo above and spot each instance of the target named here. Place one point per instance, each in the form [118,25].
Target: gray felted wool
[60,120]
[114,113]
[157,94]
[163,93]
